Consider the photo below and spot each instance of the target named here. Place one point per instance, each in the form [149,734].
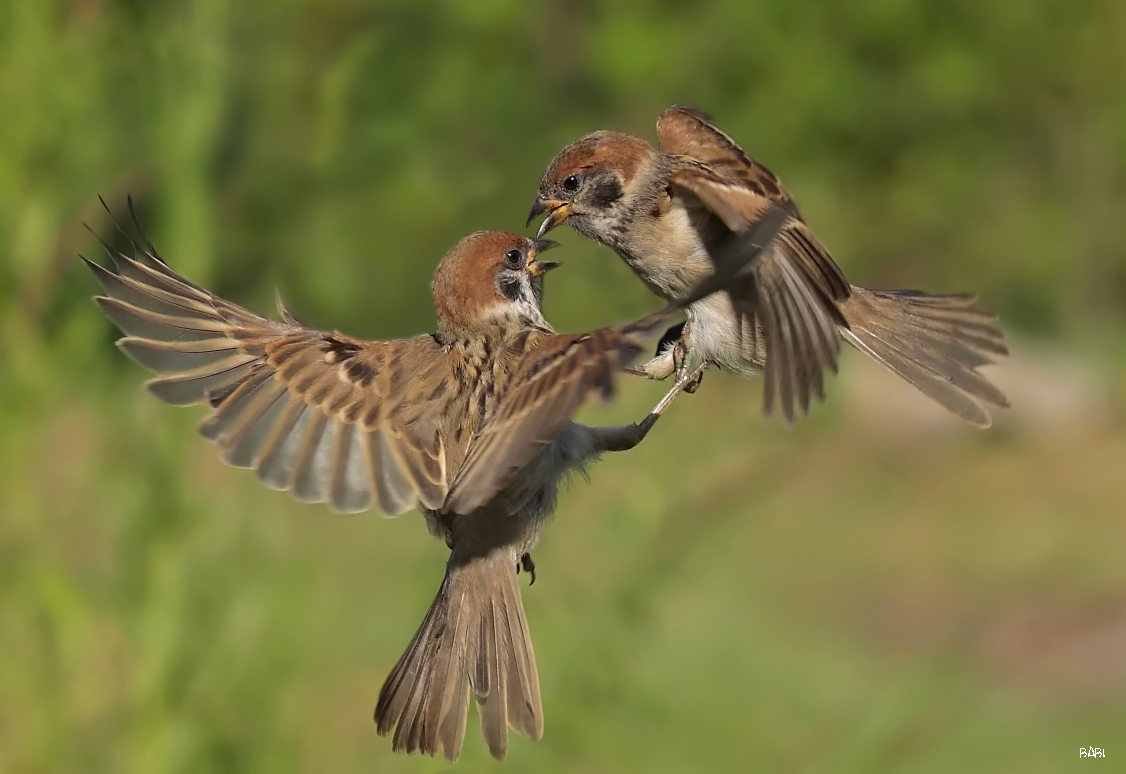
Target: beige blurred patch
[1051,392]
[1056,651]
[1062,652]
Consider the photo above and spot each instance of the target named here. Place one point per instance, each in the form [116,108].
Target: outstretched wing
[314,413]
[796,287]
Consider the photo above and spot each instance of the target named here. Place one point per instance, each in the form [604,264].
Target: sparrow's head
[490,279]
[589,183]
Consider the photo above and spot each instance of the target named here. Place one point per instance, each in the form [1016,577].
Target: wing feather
[326,417]
[798,285]
[311,412]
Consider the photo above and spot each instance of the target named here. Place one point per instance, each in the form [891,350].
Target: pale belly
[672,260]
[721,337]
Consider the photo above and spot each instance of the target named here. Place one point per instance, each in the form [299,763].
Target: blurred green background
[878,589]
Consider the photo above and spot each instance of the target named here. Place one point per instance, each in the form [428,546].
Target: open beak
[557,213]
[539,268]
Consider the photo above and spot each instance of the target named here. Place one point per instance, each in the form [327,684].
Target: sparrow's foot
[684,381]
[622,437]
[528,566]
[692,383]
[681,358]
[689,379]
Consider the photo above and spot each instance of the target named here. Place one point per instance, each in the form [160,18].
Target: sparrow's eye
[513,258]
[571,183]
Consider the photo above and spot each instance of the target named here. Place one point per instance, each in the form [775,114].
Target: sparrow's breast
[666,251]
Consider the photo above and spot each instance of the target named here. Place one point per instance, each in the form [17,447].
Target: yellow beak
[557,213]
[538,268]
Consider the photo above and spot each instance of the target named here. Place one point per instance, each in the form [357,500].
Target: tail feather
[448,670]
[953,317]
[936,343]
[399,684]
[492,697]
[474,637]
[523,687]
[452,733]
[942,358]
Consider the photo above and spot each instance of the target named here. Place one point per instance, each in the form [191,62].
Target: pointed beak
[557,213]
[539,207]
[539,268]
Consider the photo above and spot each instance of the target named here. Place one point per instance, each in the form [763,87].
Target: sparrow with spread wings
[669,212]
[471,425]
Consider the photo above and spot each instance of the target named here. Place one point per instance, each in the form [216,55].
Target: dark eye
[513,258]
[571,183]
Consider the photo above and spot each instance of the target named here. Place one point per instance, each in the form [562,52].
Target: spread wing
[796,287]
[314,413]
[552,376]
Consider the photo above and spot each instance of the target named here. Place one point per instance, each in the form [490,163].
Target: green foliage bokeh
[714,601]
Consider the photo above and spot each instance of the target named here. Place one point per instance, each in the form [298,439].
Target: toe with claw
[528,566]
[692,381]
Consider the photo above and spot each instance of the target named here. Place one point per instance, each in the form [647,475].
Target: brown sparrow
[668,212]
[471,425]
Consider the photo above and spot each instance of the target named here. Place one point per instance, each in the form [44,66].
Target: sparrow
[668,212]
[470,424]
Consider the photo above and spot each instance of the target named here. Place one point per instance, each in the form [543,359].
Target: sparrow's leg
[674,355]
[682,357]
[625,437]
[529,567]
[686,381]
[622,437]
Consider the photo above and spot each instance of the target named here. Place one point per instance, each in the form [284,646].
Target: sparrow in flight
[470,424]
[669,212]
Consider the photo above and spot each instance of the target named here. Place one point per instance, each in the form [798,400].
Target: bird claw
[682,359]
[528,566]
[692,383]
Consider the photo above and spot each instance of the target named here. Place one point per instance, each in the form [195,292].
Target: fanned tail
[475,636]
[935,343]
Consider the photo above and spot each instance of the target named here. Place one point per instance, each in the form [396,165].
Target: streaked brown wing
[552,376]
[797,286]
[686,131]
[318,414]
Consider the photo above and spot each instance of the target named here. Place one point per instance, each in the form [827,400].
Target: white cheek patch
[524,312]
[499,309]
